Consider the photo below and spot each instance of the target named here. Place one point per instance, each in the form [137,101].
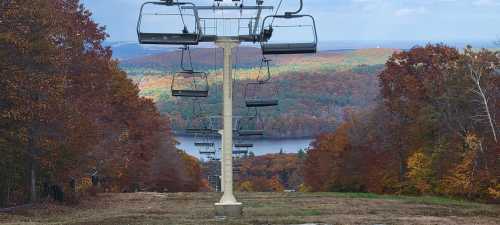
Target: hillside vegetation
[329,82]
[433,131]
[71,121]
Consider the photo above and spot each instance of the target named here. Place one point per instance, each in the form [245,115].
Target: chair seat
[190,93]
[199,130]
[168,38]
[288,48]
[207,152]
[243,145]
[261,103]
[204,144]
[250,132]
[240,152]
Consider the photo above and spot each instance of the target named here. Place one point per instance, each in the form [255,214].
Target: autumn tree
[66,108]
[272,172]
[433,131]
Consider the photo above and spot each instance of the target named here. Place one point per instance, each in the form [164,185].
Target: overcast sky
[431,20]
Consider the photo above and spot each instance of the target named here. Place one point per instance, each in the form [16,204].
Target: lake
[261,146]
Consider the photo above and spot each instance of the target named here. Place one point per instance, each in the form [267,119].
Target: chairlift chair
[240,152]
[212,157]
[249,126]
[283,47]
[184,36]
[243,145]
[262,92]
[241,148]
[207,152]
[189,83]
[199,122]
[217,123]
[205,143]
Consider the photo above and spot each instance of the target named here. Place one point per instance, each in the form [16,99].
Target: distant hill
[124,50]
[128,50]
[203,59]
[210,59]
[330,82]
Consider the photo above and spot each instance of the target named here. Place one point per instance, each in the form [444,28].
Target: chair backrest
[182,36]
[189,84]
[287,47]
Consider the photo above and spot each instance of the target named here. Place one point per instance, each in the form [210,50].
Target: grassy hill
[259,208]
[329,82]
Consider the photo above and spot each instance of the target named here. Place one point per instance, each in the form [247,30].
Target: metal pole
[221,132]
[227,152]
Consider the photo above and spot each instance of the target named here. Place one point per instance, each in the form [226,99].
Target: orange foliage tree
[433,131]
[66,109]
[272,172]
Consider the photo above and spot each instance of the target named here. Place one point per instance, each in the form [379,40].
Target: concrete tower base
[234,210]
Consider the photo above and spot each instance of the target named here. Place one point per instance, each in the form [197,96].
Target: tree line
[70,119]
[434,130]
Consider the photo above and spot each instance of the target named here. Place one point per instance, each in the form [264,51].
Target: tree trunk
[402,166]
[9,183]
[476,78]
[33,196]
[32,169]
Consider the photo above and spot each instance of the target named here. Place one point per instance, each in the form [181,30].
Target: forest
[433,130]
[348,77]
[71,120]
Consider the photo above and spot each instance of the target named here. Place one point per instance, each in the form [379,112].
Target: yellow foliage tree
[276,185]
[420,171]
[464,177]
[304,188]
[494,192]
[246,186]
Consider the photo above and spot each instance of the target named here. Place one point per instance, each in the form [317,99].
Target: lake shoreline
[265,138]
[261,146]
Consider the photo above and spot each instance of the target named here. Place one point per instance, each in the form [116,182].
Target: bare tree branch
[479,90]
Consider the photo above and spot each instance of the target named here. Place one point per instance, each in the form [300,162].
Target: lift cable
[182,18]
[277,10]
[183,51]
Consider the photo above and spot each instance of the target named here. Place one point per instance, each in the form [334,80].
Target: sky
[353,20]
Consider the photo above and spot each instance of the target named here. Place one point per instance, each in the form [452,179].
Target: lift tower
[188,25]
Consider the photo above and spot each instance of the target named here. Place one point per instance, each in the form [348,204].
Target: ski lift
[241,148]
[199,123]
[189,83]
[243,151]
[243,145]
[283,26]
[217,123]
[170,12]
[205,143]
[199,126]
[262,92]
[249,126]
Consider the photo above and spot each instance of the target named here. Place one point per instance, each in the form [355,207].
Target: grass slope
[260,208]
